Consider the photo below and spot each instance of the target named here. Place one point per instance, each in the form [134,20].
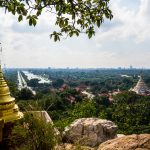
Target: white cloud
[120,42]
[131,23]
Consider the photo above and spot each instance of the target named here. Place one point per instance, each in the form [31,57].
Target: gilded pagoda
[9,111]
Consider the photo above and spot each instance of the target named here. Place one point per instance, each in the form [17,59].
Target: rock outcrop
[130,142]
[90,131]
[67,146]
[42,114]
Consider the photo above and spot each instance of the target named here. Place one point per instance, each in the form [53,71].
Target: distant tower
[131,67]
[9,111]
[5,68]
[0,54]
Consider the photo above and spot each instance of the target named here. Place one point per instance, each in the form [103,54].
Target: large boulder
[90,131]
[130,142]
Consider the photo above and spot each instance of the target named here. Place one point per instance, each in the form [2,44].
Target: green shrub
[33,133]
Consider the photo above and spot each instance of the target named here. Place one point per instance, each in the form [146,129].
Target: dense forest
[128,110]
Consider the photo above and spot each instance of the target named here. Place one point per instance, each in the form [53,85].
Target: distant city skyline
[122,42]
[80,68]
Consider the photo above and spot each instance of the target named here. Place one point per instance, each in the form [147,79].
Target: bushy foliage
[33,83]
[84,109]
[130,112]
[33,133]
[58,83]
[25,94]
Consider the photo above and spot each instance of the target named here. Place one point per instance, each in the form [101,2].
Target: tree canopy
[72,16]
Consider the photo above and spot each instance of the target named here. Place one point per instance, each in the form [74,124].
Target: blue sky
[124,41]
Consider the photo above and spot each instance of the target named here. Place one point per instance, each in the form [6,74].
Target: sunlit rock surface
[67,146]
[90,131]
[130,142]
[42,114]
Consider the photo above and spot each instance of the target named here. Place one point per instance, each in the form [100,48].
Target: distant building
[89,95]
[82,87]
[64,87]
[131,67]
[141,88]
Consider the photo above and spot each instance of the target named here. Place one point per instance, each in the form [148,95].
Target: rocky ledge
[130,142]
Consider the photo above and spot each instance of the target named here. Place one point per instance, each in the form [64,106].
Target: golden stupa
[9,111]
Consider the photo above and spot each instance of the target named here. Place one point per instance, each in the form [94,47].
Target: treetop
[72,16]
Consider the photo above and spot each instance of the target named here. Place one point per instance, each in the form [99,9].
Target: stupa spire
[8,109]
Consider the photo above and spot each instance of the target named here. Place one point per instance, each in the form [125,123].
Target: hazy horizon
[80,68]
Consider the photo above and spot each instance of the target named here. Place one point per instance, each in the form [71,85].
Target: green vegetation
[129,111]
[25,94]
[98,80]
[72,17]
[32,133]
